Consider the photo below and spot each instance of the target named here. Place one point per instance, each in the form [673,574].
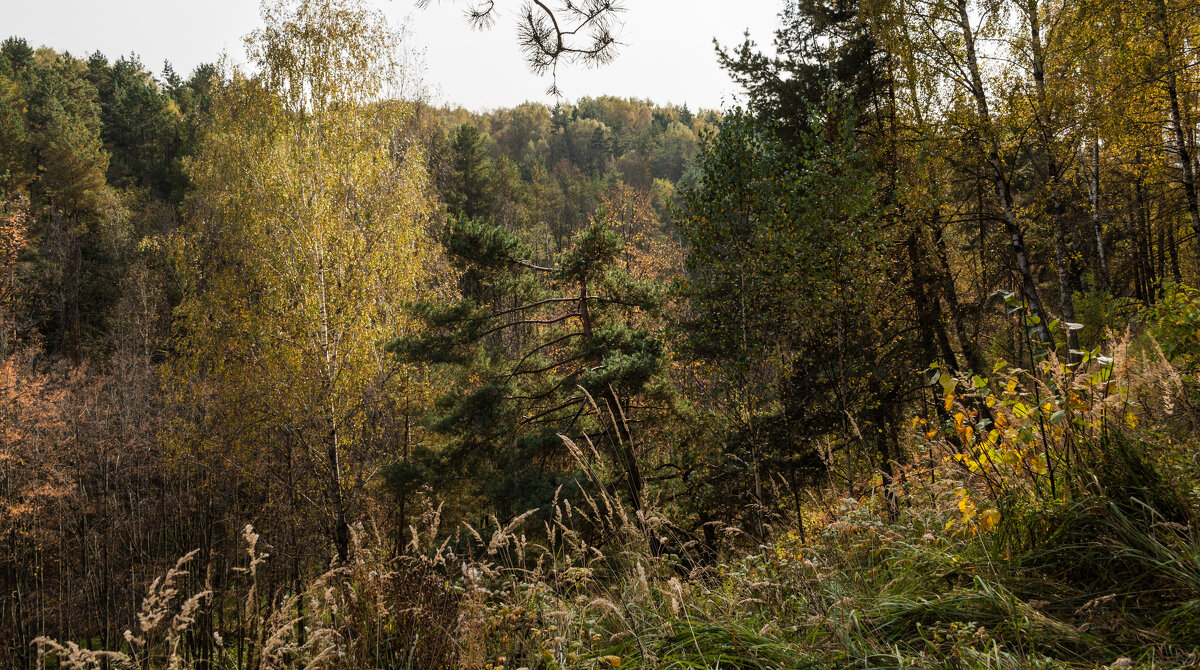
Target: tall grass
[1101,571]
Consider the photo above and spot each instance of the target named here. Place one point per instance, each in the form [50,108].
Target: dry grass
[1104,572]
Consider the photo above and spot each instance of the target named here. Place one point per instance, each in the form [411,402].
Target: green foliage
[1175,324]
[1101,313]
[772,236]
[469,191]
[628,358]
[140,125]
[98,149]
[745,470]
[785,256]
[595,252]
[294,279]
[541,173]
[484,252]
[530,349]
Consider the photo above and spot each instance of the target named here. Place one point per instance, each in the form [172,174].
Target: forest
[895,363]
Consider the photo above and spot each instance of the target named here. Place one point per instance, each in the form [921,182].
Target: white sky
[668,54]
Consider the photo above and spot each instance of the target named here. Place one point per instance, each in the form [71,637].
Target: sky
[667,54]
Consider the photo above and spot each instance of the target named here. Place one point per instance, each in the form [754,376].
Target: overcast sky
[668,54]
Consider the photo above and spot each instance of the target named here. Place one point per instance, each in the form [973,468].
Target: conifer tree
[468,192]
[536,352]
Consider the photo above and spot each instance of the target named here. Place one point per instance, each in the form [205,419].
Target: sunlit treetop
[321,54]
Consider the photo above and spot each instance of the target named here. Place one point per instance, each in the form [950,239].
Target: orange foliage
[32,472]
[652,250]
[14,222]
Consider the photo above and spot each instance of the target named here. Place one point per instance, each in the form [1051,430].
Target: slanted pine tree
[536,352]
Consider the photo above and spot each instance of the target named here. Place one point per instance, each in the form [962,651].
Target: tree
[304,240]
[68,188]
[14,237]
[15,170]
[988,138]
[468,193]
[674,151]
[531,350]
[785,285]
[139,125]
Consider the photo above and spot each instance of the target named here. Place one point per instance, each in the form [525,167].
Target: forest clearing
[893,361]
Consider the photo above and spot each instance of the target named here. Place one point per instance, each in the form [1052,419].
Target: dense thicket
[895,365]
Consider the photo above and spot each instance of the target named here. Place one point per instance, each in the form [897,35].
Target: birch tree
[306,236]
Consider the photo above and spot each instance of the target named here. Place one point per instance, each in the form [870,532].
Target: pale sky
[668,54]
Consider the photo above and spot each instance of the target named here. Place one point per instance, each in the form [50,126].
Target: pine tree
[533,351]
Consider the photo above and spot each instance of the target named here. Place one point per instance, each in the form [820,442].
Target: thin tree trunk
[1053,178]
[928,316]
[1000,182]
[341,530]
[1094,197]
[1181,148]
[968,343]
[1173,253]
[1065,289]
[1144,241]
[624,453]
[1179,128]
[1160,267]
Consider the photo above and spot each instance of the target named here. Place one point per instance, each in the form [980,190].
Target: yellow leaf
[949,402]
[989,518]
[967,508]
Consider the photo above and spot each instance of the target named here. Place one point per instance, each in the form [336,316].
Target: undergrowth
[1040,522]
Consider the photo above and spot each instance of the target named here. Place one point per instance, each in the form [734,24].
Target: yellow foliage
[305,240]
[989,518]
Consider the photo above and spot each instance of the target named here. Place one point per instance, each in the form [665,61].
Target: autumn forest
[892,363]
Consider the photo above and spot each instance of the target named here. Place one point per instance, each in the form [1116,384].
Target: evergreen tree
[469,194]
[785,279]
[533,350]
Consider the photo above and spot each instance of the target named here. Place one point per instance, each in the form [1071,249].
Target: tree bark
[1094,198]
[1000,182]
[1054,186]
[623,448]
[1144,241]
[1181,145]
